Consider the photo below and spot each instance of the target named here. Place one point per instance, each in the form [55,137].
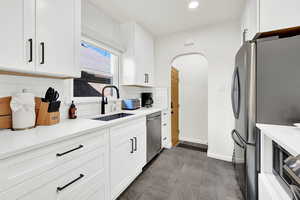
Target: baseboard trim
[193,140]
[219,157]
[167,146]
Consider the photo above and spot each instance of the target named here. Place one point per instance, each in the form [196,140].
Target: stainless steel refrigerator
[265,89]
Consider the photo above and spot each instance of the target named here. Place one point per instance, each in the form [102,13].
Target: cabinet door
[149,57]
[139,160]
[278,14]
[56,36]
[140,54]
[144,56]
[17,19]
[121,164]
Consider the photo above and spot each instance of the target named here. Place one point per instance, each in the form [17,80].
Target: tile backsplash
[38,86]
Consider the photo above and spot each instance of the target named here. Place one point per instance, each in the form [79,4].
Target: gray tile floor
[184,174]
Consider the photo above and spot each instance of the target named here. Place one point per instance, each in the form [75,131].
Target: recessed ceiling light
[193,4]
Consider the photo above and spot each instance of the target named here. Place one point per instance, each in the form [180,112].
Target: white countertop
[15,142]
[286,136]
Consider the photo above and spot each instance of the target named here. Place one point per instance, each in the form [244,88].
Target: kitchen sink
[113,117]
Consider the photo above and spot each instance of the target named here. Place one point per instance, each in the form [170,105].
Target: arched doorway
[192,70]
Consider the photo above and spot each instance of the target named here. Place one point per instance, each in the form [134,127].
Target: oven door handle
[295,191]
[239,143]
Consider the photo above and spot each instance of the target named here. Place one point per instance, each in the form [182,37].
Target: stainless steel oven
[287,170]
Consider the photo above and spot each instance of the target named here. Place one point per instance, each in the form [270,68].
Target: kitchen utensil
[54,106]
[55,96]
[51,95]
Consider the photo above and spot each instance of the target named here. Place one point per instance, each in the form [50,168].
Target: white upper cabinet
[17,34]
[138,60]
[56,35]
[278,14]
[41,37]
[269,15]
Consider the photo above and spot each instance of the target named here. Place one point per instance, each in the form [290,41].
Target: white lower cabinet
[270,189]
[79,172]
[128,154]
[165,129]
[95,166]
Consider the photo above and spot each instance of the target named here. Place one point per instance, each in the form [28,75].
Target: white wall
[218,43]
[193,97]
[99,26]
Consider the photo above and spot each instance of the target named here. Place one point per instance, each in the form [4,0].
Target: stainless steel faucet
[104,99]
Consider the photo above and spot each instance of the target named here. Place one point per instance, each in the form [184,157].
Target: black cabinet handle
[135,144]
[145,78]
[61,154]
[43,53]
[67,185]
[131,146]
[30,50]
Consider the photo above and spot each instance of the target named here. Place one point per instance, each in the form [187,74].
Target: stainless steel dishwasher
[153,135]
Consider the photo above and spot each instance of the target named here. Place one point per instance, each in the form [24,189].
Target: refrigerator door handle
[235,93]
[239,143]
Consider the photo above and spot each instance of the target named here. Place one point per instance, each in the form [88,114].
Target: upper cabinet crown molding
[42,37]
[261,16]
[138,59]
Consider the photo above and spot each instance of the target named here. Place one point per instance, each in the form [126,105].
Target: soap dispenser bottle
[72,111]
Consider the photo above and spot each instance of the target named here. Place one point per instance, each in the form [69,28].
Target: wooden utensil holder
[5,113]
[41,110]
[45,118]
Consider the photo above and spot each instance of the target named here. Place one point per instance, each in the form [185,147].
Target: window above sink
[99,68]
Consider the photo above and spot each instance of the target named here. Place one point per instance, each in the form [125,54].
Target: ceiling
[162,17]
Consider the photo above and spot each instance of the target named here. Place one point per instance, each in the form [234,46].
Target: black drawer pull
[131,146]
[67,185]
[43,53]
[30,50]
[61,154]
[135,143]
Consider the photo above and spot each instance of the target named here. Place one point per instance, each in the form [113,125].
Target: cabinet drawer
[27,165]
[65,180]
[122,133]
[95,188]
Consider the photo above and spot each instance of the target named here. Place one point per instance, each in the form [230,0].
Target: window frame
[117,67]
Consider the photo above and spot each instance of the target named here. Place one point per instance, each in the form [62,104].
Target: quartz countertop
[286,136]
[16,142]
